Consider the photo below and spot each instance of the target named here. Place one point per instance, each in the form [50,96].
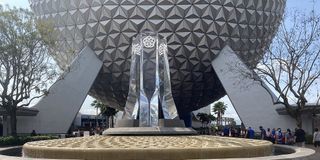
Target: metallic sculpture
[196,30]
[145,48]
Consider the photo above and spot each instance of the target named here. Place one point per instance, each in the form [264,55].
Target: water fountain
[149,129]
[149,100]
[147,147]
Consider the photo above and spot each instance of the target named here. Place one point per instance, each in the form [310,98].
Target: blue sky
[301,5]
[16,3]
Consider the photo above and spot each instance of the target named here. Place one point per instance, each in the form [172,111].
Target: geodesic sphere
[195,30]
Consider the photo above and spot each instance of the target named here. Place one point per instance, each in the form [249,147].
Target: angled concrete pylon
[58,109]
[253,102]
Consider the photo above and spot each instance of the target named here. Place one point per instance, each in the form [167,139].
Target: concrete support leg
[58,109]
[252,101]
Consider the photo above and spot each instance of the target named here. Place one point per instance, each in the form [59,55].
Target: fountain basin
[147,147]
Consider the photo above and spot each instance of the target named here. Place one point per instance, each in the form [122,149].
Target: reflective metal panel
[132,103]
[144,111]
[167,102]
[154,88]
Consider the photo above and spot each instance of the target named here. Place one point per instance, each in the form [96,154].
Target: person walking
[238,132]
[273,135]
[262,133]
[316,138]
[268,135]
[250,133]
[300,137]
[226,131]
[289,138]
[279,136]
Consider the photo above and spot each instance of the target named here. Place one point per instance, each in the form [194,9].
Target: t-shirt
[290,139]
[279,137]
[226,132]
[251,133]
[273,133]
[300,135]
[268,134]
[316,136]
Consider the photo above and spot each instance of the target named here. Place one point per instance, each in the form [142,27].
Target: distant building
[87,122]
[310,116]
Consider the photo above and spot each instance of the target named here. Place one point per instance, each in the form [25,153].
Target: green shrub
[13,141]
[309,138]
[5,141]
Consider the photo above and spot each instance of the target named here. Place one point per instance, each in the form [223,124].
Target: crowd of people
[276,136]
[237,132]
[287,137]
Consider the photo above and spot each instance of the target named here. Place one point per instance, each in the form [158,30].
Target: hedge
[309,139]
[13,141]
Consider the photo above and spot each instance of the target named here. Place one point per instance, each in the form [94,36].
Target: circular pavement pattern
[147,147]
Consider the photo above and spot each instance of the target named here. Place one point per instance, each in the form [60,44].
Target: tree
[25,65]
[318,102]
[205,118]
[106,111]
[219,108]
[233,123]
[291,64]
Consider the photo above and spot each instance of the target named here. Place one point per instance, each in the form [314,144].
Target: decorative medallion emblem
[148,42]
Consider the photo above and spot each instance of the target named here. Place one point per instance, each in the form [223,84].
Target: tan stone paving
[316,156]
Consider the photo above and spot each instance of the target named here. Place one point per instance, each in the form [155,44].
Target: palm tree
[106,111]
[211,117]
[205,118]
[219,108]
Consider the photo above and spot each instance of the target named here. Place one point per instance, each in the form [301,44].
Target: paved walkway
[316,156]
